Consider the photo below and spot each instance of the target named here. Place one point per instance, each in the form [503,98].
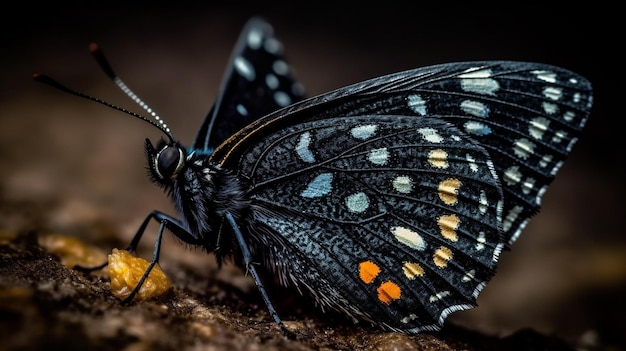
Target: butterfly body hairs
[389,200]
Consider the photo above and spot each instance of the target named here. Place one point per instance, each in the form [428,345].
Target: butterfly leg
[247,258]
[166,221]
[159,216]
[155,259]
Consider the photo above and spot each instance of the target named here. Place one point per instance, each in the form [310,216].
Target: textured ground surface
[75,169]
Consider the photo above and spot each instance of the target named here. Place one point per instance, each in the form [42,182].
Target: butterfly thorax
[208,192]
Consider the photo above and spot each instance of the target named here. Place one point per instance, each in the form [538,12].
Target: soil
[46,305]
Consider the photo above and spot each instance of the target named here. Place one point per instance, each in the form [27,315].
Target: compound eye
[169,161]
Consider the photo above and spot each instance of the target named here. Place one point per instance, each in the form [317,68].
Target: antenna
[42,78]
[98,54]
[47,80]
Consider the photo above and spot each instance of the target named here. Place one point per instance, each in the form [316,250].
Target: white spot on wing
[576,98]
[417,104]
[553,93]
[378,156]
[469,276]
[474,72]
[540,195]
[438,296]
[430,135]
[556,167]
[558,136]
[280,67]
[403,184]
[303,148]
[571,144]
[480,241]
[512,175]
[483,204]
[358,202]
[479,81]
[475,108]
[241,109]
[523,148]
[409,238]
[244,68]
[569,116]
[477,128]
[272,81]
[481,86]
[528,185]
[282,99]
[538,126]
[254,39]
[364,132]
[472,163]
[545,160]
[546,76]
[273,46]
[550,108]
[511,217]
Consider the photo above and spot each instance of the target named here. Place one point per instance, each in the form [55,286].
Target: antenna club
[41,77]
[93,47]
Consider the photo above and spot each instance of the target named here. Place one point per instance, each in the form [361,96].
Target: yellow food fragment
[72,251]
[126,270]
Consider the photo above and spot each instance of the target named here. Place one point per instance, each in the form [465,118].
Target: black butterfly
[389,200]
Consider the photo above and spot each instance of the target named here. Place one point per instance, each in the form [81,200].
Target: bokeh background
[73,163]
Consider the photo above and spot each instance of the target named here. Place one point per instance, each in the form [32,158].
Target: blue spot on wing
[319,186]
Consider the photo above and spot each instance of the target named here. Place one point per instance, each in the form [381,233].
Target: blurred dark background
[565,276]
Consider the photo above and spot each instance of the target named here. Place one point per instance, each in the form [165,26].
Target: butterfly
[389,200]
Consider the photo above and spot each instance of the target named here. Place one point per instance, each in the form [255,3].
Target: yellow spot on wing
[368,270]
[448,190]
[388,291]
[442,256]
[438,158]
[448,225]
[412,270]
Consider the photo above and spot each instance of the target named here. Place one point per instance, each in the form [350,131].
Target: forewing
[526,115]
[257,81]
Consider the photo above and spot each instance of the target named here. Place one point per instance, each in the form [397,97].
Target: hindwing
[257,81]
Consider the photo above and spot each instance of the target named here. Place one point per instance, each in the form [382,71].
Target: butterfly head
[165,161]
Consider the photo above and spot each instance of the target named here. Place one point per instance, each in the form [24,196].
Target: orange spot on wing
[388,291]
[368,270]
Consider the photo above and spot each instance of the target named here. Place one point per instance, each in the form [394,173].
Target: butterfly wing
[391,199]
[258,81]
[388,218]
[526,115]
